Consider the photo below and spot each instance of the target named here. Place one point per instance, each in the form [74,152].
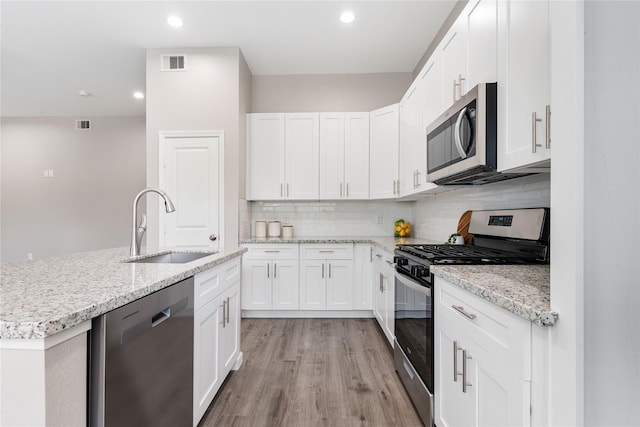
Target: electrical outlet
[379,219]
[29,256]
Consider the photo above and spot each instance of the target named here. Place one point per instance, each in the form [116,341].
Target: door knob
[213,237]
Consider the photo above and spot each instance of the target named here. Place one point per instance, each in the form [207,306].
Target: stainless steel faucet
[138,232]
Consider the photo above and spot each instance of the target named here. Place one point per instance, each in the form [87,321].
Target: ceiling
[52,49]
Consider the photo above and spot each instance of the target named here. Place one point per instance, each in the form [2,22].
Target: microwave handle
[456,134]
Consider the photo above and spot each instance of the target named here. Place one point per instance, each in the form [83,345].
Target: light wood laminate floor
[312,372]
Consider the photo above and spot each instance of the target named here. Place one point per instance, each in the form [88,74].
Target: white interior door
[193,179]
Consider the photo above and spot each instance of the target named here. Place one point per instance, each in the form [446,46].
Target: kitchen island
[46,307]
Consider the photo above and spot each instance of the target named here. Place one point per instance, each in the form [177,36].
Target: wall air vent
[83,124]
[173,63]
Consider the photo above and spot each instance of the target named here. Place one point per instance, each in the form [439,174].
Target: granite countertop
[43,297]
[521,289]
[385,242]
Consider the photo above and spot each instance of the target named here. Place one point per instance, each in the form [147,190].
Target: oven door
[414,325]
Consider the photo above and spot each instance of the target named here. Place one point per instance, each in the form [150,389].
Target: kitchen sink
[172,258]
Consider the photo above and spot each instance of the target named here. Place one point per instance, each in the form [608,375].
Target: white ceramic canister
[274,228]
[287,231]
[261,228]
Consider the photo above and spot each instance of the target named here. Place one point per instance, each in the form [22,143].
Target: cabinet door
[482,29]
[453,406]
[523,69]
[411,148]
[230,329]
[207,377]
[356,156]
[256,284]
[313,285]
[285,285]
[453,54]
[332,159]
[339,284]
[363,277]
[431,93]
[384,153]
[265,167]
[503,399]
[302,156]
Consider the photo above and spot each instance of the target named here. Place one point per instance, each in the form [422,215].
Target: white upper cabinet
[412,145]
[383,156]
[430,92]
[481,18]
[524,94]
[453,56]
[344,156]
[301,156]
[265,156]
[283,156]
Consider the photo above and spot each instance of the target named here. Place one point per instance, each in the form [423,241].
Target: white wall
[87,203]
[334,92]
[209,96]
[334,218]
[612,214]
[436,217]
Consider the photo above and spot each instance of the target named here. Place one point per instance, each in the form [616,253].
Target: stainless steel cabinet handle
[224,317]
[274,251]
[213,237]
[281,193]
[324,251]
[329,270]
[227,316]
[275,271]
[370,253]
[455,84]
[323,270]
[394,187]
[547,111]
[456,349]
[534,132]
[340,189]
[381,279]
[465,384]
[419,178]
[287,189]
[267,270]
[347,192]
[460,309]
[460,80]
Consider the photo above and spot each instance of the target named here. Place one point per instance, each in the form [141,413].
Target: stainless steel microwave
[462,142]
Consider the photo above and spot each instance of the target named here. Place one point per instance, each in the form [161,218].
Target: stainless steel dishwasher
[141,371]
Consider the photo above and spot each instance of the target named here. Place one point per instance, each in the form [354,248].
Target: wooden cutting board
[463,227]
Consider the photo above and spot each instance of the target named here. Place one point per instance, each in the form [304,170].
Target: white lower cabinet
[326,277]
[216,332]
[270,277]
[362,277]
[384,291]
[482,362]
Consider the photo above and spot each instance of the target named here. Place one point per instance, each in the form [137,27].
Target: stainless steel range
[513,236]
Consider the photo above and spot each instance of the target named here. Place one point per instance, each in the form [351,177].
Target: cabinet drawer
[326,251]
[503,335]
[272,251]
[210,283]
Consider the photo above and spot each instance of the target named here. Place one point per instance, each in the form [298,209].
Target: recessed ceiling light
[138,95]
[174,21]
[347,17]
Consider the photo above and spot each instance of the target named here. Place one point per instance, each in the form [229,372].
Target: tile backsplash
[436,217]
[333,218]
[433,217]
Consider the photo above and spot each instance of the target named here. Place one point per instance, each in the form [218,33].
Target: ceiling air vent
[83,124]
[172,63]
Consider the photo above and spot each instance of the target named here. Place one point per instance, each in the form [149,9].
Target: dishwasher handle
[160,317]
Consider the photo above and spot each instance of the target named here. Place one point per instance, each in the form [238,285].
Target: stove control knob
[421,271]
[415,269]
[400,260]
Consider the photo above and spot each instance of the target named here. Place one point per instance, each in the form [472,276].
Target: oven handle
[456,134]
[413,285]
